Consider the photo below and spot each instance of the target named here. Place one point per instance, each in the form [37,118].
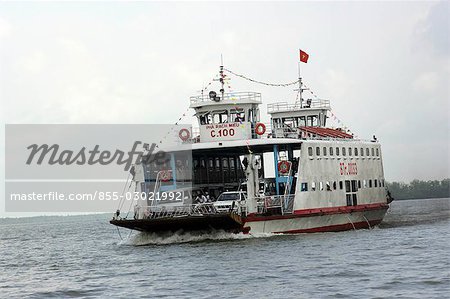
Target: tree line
[420,189]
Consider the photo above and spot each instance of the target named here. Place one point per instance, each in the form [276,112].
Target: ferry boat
[236,173]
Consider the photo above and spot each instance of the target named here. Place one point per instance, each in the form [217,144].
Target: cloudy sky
[383,65]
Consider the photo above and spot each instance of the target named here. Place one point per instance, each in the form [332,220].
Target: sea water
[84,257]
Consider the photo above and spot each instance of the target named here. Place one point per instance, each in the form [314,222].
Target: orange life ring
[283,167]
[184,134]
[260,129]
[165,175]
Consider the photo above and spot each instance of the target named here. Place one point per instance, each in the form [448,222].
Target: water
[83,257]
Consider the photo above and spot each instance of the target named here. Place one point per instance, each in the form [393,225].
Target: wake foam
[142,239]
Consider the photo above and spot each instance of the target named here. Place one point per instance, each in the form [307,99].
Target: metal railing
[229,97]
[285,203]
[155,212]
[285,106]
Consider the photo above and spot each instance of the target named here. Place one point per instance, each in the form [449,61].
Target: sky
[383,65]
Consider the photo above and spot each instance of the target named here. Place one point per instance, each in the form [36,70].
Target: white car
[224,202]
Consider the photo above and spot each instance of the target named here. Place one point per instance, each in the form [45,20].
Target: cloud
[434,30]
[5,28]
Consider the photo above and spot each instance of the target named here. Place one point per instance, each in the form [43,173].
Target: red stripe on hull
[319,212]
[333,228]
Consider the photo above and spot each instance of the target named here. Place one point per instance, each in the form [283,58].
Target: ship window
[310,151]
[364,184]
[356,151]
[237,115]
[311,121]
[373,152]
[232,162]
[331,151]
[328,185]
[343,151]
[324,151]
[337,151]
[341,185]
[210,163]
[359,184]
[347,186]
[304,187]
[225,163]
[367,152]
[302,121]
[320,186]
[349,151]
[313,186]
[317,151]
[348,198]
[382,182]
[362,152]
[378,152]
[217,163]
[370,183]
[375,183]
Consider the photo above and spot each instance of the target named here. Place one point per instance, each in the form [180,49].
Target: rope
[260,82]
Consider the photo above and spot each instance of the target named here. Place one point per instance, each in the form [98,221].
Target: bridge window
[362,152]
[331,151]
[310,151]
[341,185]
[312,121]
[343,151]
[313,186]
[337,151]
[356,151]
[205,119]
[378,152]
[375,182]
[304,187]
[328,186]
[359,184]
[373,152]
[364,184]
[237,115]
[334,185]
[370,183]
[221,117]
[324,151]
[382,182]
[321,186]
[367,152]
[349,151]
[317,151]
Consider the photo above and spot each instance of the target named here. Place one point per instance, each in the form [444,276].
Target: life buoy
[283,167]
[184,134]
[260,129]
[165,175]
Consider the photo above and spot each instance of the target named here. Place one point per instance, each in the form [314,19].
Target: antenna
[222,90]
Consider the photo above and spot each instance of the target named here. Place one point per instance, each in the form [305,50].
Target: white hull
[320,223]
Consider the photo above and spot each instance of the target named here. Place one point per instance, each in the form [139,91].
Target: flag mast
[300,86]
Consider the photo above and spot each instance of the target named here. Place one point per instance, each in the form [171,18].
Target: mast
[222,89]
[300,86]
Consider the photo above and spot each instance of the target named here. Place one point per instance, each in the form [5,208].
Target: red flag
[304,56]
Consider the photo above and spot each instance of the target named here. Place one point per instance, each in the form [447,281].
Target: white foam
[141,239]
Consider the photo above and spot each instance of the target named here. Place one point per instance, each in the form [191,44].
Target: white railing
[285,203]
[232,96]
[154,212]
[284,106]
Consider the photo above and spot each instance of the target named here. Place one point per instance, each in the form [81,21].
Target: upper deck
[231,98]
[286,107]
